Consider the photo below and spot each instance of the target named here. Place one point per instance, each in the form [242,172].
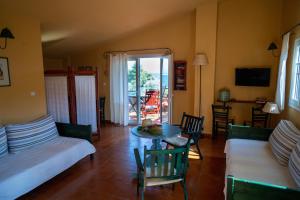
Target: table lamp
[271,108]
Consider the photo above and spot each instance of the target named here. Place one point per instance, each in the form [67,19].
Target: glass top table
[167,132]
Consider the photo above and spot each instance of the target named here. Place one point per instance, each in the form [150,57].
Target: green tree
[145,77]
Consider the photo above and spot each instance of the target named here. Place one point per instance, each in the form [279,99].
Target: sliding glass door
[148,89]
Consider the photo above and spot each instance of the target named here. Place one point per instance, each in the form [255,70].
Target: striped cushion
[24,136]
[294,164]
[283,140]
[3,142]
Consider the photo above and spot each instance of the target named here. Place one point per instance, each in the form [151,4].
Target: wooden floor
[110,175]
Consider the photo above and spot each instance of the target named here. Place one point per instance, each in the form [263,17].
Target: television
[259,77]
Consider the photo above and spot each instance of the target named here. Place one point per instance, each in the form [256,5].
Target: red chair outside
[152,103]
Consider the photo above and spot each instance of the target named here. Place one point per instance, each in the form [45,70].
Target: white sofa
[23,171]
[254,160]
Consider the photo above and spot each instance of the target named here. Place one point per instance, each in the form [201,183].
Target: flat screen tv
[259,77]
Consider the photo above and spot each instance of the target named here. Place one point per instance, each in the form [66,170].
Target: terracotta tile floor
[110,175]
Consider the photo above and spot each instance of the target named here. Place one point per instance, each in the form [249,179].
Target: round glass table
[167,131]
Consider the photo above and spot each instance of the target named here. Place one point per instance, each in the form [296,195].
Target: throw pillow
[3,142]
[283,140]
[24,136]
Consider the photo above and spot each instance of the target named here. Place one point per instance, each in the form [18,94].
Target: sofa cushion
[3,142]
[294,164]
[283,140]
[24,136]
[24,171]
[254,160]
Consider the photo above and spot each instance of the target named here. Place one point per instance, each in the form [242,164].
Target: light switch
[33,93]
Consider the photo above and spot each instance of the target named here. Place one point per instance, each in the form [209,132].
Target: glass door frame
[137,58]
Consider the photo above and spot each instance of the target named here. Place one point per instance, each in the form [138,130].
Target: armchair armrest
[76,131]
[247,132]
[242,189]
[138,160]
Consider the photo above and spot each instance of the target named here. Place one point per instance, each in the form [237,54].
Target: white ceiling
[69,26]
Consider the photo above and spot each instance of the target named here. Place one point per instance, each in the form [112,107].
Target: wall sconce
[272,47]
[6,34]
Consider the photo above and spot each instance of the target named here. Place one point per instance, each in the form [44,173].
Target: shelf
[243,101]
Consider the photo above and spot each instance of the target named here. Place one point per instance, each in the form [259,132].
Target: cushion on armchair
[24,136]
[283,140]
[294,164]
[3,142]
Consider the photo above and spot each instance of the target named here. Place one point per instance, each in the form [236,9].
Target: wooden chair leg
[184,190]
[91,156]
[199,152]
[213,130]
[173,186]
[142,196]
[138,185]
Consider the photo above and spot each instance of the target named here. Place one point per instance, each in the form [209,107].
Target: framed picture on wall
[180,75]
[4,72]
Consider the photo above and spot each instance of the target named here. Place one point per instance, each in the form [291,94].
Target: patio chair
[151,104]
[164,167]
[191,127]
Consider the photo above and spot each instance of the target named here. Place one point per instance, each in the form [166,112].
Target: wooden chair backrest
[191,123]
[220,112]
[102,102]
[168,163]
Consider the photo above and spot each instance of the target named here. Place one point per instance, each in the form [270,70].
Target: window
[295,78]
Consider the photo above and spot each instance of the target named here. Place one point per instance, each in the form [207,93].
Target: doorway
[149,94]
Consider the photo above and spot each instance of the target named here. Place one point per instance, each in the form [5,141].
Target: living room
[63,37]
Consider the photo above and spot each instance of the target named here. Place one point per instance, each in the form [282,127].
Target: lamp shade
[6,33]
[271,108]
[272,46]
[200,60]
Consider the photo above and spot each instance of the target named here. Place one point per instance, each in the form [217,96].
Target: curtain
[85,88]
[280,90]
[57,98]
[118,89]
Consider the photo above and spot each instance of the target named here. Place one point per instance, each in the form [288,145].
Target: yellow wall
[245,29]
[291,17]
[54,63]
[176,33]
[206,38]
[290,14]
[26,71]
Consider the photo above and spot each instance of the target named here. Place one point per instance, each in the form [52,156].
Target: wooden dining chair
[220,119]
[102,110]
[191,127]
[259,118]
[167,166]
